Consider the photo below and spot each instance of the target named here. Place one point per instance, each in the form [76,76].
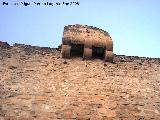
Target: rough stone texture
[93,40]
[4,45]
[79,34]
[37,84]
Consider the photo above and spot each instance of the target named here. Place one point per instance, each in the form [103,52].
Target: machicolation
[86,41]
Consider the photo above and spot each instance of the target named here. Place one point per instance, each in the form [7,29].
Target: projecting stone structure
[87,41]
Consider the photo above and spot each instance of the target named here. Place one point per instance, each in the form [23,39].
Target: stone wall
[38,86]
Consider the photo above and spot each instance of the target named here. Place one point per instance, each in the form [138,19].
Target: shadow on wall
[77,50]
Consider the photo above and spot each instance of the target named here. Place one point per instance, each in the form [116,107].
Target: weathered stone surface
[87,40]
[4,45]
[106,112]
[41,87]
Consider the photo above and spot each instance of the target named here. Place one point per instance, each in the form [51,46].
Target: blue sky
[134,25]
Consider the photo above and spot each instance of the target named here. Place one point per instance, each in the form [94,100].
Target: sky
[134,25]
